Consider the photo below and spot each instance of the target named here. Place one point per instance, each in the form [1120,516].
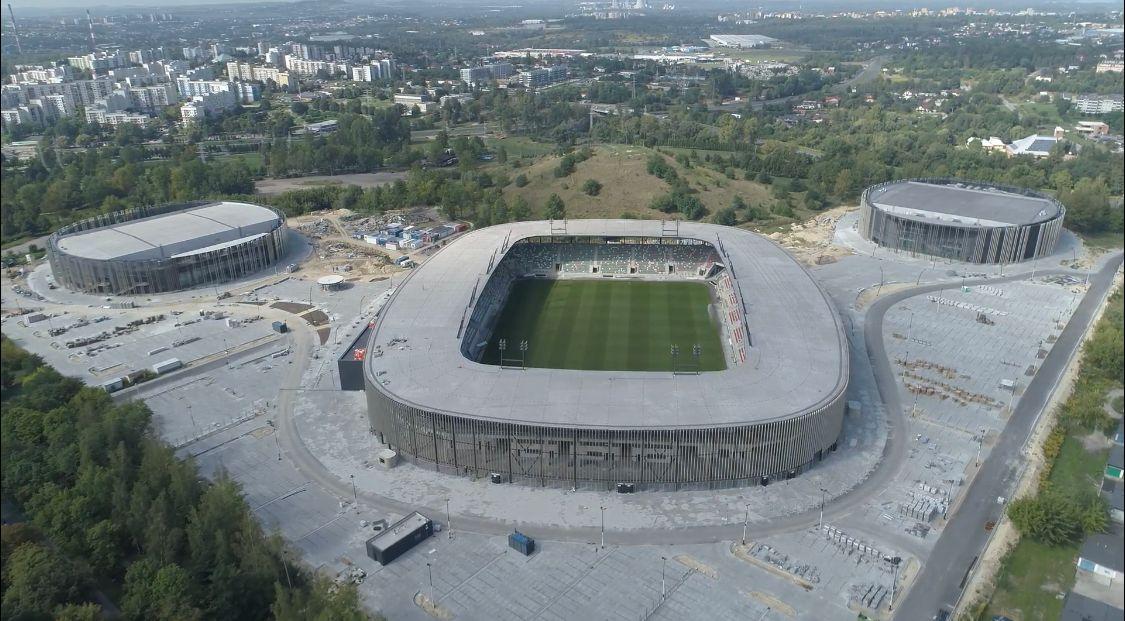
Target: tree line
[1062,513]
[110,509]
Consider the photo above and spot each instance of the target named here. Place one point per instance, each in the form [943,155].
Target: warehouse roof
[174,234]
[798,362]
[963,204]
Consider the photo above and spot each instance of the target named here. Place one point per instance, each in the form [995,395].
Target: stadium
[602,353]
[962,221]
[166,248]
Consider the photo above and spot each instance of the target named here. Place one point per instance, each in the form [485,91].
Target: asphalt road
[962,541]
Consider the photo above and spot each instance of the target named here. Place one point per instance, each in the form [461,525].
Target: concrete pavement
[964,537]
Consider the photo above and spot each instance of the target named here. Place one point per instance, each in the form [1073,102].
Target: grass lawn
[1030,580]
[604,325]
[1034,573]
[1077,468]
[519,146]
[1103,240]
[252,160]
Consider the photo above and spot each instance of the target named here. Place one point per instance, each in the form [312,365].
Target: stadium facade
[166,247]
[960,220]
[776,409]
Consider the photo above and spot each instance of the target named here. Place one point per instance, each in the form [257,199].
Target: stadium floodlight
[675,355]
[523,353]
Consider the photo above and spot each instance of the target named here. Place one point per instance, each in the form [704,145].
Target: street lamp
[894,581]
[745,523]
[820,526]
[603,526]
[448,519]
[430,572]
[663,565]
[355,496]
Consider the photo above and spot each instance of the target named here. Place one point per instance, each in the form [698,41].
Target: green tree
[556,208]
[592,187]
[158,593]
[320,602]
[77,612]
[38,579]
[521,210]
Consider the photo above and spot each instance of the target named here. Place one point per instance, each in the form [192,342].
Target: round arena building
[603,353]
[961,220]
[167,247]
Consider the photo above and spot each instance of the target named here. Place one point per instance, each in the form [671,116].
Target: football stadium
[167,247]
[961,220]
[603,353]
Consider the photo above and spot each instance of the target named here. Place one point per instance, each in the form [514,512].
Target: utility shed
[400,537]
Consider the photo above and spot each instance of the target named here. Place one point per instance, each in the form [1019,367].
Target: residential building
[1092,128]
[208,104]
[19,115]
[476,76]
[543,76]
[32,73]
[301,66]
[1110,66]
[153,98]
[99,62]
[251,73]
[1099,104]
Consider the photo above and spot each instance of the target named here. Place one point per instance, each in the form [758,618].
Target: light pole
[355,496]
[745,523]
[448,519]
[894,581]
[285,564]
[430,572]
[980,444]
[663,565]
[820,526]
[603,526]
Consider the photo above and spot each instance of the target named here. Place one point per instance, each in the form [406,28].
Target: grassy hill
[627,187]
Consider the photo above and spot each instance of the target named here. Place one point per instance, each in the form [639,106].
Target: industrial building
[776,409]
[960,220]
[167,247]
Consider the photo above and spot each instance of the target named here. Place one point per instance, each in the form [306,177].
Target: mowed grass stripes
[607,325]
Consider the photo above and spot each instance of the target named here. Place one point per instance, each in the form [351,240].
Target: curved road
[888,467]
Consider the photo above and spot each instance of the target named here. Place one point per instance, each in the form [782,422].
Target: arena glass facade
[969,243]
[692,458]
[207,266]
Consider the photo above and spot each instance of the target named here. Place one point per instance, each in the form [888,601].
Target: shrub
[592,187]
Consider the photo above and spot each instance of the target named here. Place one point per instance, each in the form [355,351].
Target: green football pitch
[604,325]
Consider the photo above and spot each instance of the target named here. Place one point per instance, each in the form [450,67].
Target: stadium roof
[180,233]
[798,362]
[739,40]
[962,204]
